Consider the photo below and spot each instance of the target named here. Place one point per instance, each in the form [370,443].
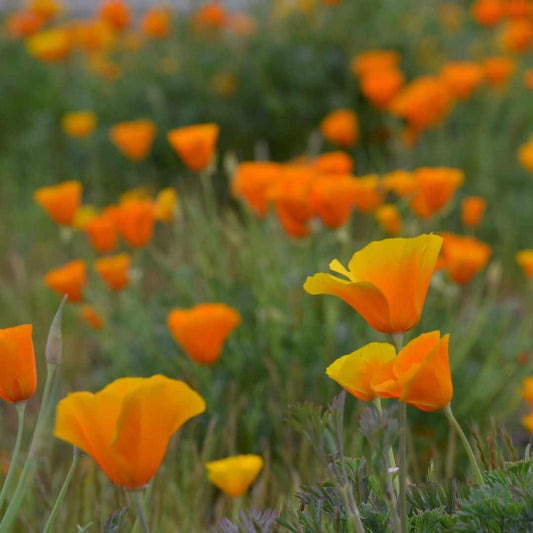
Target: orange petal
[234,475]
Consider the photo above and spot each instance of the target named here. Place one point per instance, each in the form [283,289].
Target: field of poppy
[267,270]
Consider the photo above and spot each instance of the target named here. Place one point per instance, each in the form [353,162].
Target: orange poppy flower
[463,257]
[389,219]
[341,127]
[517,35]
[24,24]
[527,390]
[386,283]
[50,45]
[68,279]
[47,9]
[487,12]
[211,16]
[91,317]
[374,61]
[156,23]
[525,154]
[126,427]
[333,198]
[116,13]
[420,375]
[291,198]
[114,270]
[422,103]
[166,205]
[356,371]
[525,259]
[369,196]
[102,232]
[195,144]
[93,35]
[134,139]
[79,124]
[518,9]
[136,220]
[202,330]
[462,78]
[472,211]
[334,163]
[380,87]
[234,475]
[435,188]
[18,378]
[61,202]
[498,70]
[252,182]
[400,182]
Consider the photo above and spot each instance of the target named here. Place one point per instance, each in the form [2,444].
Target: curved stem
[138,502]
[453,421]
[61,496]
[30,465]
[21,408]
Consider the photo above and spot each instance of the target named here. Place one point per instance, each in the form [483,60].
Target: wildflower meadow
[267,269]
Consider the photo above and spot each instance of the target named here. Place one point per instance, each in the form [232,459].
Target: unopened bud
[54,343]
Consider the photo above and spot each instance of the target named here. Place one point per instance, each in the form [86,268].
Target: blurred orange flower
[334,163]
[156,23]
[462,78]
[463,257]
[333,198]
[91,317]
[423,103]
[341,127]
[202,330]
[61,202]
[420,374]
[386,283]
[525,154]
[211,16]
[116,13]
[472,211]
[435,187]
[134,139]
[68,279]
[369,195]
[525,259]
[498,70]
[166,205]
[18,376]
[114,270]
[136,220]
[528,79]
[50,45]
[195,144]
[79,124]
[126,427]
[380,87]
[83,215]
[487,12]
[400,182]
[234,475]
[241,23]
[389,219]
[93,35]
[47,9]
[102,232]
[517,35]
[252,182]
[23,24]
[374,61]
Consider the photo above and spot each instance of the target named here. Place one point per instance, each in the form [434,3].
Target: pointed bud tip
[54,344]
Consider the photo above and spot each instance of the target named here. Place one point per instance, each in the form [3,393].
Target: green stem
[30,465]
[402,437]
[138,502]
[390,453]
[61,496]
[21,408]
[453,421]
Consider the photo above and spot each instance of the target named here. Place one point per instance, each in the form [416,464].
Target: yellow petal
[234,475]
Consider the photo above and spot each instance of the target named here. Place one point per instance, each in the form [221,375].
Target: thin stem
[30,465]
[21,408]
[390,453]
[61,496]
[138,502]
[402,437]
[453,421]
